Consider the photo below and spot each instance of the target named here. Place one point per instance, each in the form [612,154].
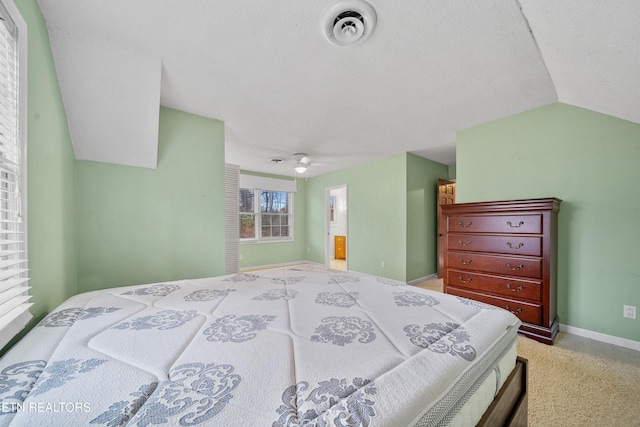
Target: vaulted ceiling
[427,70]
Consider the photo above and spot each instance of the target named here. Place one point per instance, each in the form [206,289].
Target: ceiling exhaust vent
[349,22]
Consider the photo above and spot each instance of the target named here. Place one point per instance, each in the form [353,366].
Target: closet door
[446,196]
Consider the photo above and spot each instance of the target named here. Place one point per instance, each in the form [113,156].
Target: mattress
[300,346]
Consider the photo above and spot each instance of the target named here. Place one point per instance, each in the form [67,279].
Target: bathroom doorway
[336,247]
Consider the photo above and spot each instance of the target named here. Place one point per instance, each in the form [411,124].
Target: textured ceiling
[429,69]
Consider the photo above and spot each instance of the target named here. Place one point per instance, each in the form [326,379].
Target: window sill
[260,242]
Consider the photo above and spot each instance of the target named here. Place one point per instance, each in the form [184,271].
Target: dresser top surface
[543,204]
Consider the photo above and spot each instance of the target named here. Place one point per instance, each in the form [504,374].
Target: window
[266,215]
[265,208]
[14,295]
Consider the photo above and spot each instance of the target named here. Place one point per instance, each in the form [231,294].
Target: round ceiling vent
[349,22]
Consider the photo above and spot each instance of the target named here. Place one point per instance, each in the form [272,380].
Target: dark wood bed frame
[510,407]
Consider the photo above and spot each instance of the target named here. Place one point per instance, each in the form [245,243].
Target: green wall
[422,189]
[137,225]
[451,172]
[261,254]
[51,174]
[377,221]
[391,216]
[391,219]
[589,160]
[94,225]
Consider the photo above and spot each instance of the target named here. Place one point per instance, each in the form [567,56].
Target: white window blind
[14,289]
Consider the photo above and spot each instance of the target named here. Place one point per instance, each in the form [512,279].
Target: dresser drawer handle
[518,289]
[516,311]
[515,247]
[520,224]
[463,280]
[463,262]
[465,226]
[467,243]
[518,268]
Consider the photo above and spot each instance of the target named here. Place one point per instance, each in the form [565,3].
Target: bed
[297,346]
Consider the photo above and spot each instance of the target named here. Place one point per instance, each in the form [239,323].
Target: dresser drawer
[514,245]
[527,312]
[509,287]
[509,266]
[523,224]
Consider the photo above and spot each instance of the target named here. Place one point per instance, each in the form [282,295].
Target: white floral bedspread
[285,347]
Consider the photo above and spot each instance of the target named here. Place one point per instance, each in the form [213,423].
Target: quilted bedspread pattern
[294,346]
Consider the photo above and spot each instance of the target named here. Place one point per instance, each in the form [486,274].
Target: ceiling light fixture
[303,161]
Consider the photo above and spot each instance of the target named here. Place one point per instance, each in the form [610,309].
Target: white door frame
[328,256]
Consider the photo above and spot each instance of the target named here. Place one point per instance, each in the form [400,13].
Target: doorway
[446,196]
[336,245]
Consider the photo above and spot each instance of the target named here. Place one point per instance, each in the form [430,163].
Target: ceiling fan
[301,162]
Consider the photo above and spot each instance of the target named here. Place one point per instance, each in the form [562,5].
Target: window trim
[13,13]
[258,239]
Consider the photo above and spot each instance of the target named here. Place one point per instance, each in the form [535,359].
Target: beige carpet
[569,387]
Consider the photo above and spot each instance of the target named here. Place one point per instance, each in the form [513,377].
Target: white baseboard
[423,279]
[609,339]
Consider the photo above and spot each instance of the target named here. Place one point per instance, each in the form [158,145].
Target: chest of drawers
[504,254]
